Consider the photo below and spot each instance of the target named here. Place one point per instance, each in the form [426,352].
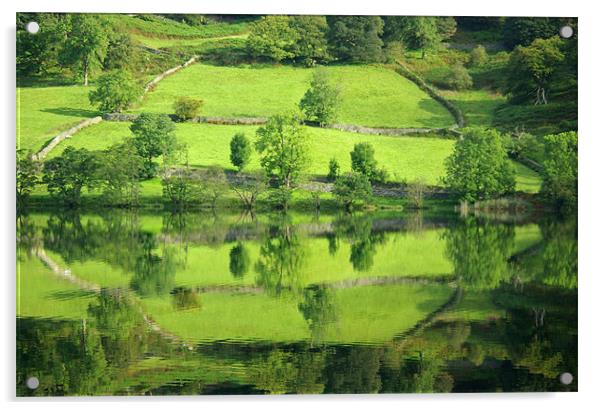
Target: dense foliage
[187,108]
[153,137]
[115,92]
[321,101]
[560,169]
[363,162]
[356,38]
[479,167]
[240,151]
[352,189]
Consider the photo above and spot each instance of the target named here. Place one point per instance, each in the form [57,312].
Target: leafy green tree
[239,260]
[416,32]
[122,53]
[272,37]
[478,56]
[116,91]
[479,167]
[352,190]
[28,175]
[119,174]
[560,170]
[363,162]
[153,136]
[356,38]
[187,108]
[39,54]
[531,69]
[240,151]
[322,100]
[311,45]
[85,44]
[67,174]
[282,144]
[333,169]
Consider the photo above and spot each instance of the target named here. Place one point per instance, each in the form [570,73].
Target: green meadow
[405,158]
[370,95]
[43,112]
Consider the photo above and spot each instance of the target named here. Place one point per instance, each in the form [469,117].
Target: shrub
[479,167]
[459,78]
[352,189]
[116,91]
[478,56]
[187,108]
[333,170]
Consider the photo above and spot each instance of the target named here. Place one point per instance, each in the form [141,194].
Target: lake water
[151,304]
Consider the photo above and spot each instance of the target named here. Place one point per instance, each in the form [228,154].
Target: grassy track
[371,95]
[406,158]
[43,112]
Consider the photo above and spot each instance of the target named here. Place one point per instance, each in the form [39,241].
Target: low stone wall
[388,131]
[121,117]
[433,93]
[64,135]
[171,71]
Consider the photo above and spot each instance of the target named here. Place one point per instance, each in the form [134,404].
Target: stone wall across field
[157,79]
[389,131]
[64,135]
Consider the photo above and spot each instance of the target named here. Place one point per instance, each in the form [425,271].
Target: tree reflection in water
[513,330]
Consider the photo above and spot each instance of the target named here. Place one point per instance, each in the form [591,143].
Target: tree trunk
[86,69]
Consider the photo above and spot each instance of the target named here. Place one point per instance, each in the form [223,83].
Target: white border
[590,145]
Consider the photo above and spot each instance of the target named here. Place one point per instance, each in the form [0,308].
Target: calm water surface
[141,304]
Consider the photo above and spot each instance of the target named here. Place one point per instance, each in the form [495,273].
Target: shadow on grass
[440,117]
[71,112]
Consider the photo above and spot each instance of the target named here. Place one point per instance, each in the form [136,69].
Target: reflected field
[134,303]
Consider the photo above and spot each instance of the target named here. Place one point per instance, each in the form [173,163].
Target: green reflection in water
[199,304]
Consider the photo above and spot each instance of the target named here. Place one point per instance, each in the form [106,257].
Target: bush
[27,175]
[460,78]
[352,190]
[153,136]
[240,151]
[116,91]
[479,167]
[181,188]
[333,170]
[363,162]
[187,108]
[478,56]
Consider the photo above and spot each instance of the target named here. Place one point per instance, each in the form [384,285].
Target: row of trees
[315,39]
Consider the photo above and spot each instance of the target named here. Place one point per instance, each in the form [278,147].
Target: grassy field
[155,26]
[43,112]
[406,158]
[371,95]
[478,106]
